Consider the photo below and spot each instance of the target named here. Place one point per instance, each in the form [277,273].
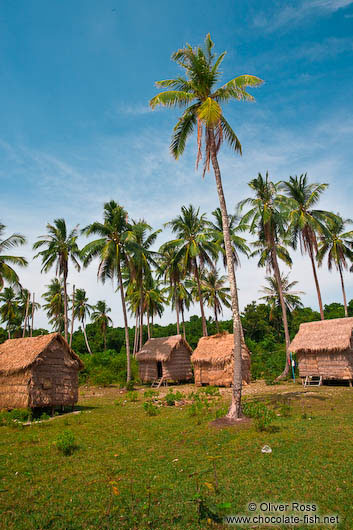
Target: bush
[107,368]
[171,398]
[15,416]
[211,390]
[65,442]
[263,415]
[129,385]
[132,396]
[151,393]
[150,409]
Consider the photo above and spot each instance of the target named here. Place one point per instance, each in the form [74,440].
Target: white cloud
[139,172]
[290,15]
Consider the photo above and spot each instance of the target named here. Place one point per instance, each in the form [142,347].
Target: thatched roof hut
[165,357]
[325,349]
[213,360]
[38,372]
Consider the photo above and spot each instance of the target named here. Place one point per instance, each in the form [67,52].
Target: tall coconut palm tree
[305,221]
[198,93]
[100,316]
[60,247]
[235,227]
[81,310]
[154,301]
[7,273]
[112,251]
[194,247]
[26,307]
[271,294]
[54,306]
[337,243]
[215,292]
[267,218]
[171,271]
[142,260]
[9,309]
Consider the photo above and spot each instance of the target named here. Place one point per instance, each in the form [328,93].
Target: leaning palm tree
[337,243]
[198,93]
[100,316]
[112,251]
[271,294]
[9,309]
[267,218]
[215,293]
[54,306]
[7,273]
[305,221]
[81,310]
[194,247]
[60,246]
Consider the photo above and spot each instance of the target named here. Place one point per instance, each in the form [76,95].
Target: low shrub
[150,409]
[132,396]
[65,442]
[172,397]
[15,416]
[211,390]
[151,393]
[263,415]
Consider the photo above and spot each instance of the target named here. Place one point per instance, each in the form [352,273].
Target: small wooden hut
[324,349]
[213,361]
[165,359]
[38,372]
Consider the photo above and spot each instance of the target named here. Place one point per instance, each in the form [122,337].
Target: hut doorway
[159,369]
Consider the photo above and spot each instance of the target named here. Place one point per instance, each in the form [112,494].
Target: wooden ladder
[159,382]
[313,380]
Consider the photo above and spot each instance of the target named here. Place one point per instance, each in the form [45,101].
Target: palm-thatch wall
[213,361]
[38,372]
[173,354]
[325,348]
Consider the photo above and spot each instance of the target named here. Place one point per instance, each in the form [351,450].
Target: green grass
[134,471]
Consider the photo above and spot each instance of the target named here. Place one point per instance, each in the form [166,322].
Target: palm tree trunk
[234,412]
[8,330]
[33,302]
[72,315]
[65,306]
[105,337]
[277,274]
[141,313]
[86,340]
[216,319]
[343,291]
[136,335]
[183,322]
[26,315]
[177,314]
[148,324]
[311,254]
[197,277]
[127,342]
[151,324]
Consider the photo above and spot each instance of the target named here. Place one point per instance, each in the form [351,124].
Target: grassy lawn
[132,471]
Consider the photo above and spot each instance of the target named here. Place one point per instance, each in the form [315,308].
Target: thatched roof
[216,349]
[20,354]
[324,336]
[160,349]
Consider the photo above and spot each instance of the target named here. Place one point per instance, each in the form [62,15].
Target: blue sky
[76,129]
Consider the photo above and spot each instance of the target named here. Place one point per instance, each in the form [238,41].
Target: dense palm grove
[183,272]
[276,218]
